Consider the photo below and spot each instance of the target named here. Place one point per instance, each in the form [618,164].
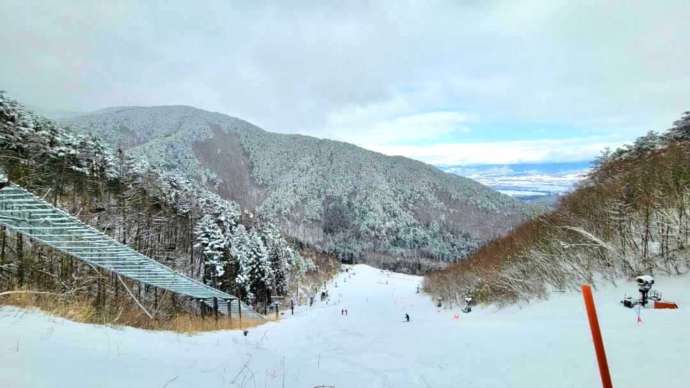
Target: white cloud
[390,123]
[366,72]
[505,152]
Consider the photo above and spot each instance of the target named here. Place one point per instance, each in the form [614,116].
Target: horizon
[445,83]
[64,115]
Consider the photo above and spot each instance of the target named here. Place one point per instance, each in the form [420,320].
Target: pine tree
[681,128]
[254,269]
[280,256]
[646,143]
[211,241]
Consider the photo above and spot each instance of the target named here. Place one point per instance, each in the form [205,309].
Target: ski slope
[544,344]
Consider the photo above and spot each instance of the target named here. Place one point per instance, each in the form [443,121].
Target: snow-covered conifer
[681,128]
[210,240]
[280,256]
[254,269]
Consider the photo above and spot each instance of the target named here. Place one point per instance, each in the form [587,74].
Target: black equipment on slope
[644,285]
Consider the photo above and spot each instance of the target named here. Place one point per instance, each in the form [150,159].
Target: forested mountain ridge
[358,204]
[157,212]
[631,216]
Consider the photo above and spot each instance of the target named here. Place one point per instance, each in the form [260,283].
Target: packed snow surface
[543,344]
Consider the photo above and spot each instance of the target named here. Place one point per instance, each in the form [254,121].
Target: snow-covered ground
[544,344]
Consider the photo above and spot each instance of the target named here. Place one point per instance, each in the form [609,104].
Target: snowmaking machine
[469,302]
[644,286]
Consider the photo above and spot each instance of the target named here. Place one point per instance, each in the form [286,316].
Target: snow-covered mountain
[336,196]
[187,227]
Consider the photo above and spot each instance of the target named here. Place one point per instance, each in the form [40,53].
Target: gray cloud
[299,66]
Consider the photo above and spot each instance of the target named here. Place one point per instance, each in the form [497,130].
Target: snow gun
[468,305]
[644,285]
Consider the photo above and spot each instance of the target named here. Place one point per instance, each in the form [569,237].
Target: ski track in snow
[542,344]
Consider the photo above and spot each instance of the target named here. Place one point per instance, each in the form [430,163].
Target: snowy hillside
[628,217]
[339,197]
[545,344]
[176,222]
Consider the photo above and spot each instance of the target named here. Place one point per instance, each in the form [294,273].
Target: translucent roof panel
[25,213]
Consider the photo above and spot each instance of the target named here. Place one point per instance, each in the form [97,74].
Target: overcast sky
[444,82]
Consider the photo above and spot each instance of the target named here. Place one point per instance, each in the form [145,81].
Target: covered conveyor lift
[25,213]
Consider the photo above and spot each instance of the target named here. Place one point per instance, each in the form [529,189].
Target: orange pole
[596,336]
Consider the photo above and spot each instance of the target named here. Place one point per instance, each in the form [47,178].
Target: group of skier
[323,294]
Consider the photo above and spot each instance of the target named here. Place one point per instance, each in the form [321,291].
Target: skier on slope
[407,317]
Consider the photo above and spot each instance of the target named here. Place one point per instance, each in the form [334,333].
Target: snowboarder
[407,317]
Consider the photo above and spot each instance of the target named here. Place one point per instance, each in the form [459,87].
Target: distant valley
[540,183]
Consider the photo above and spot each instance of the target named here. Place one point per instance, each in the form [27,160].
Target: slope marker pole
[596,336]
